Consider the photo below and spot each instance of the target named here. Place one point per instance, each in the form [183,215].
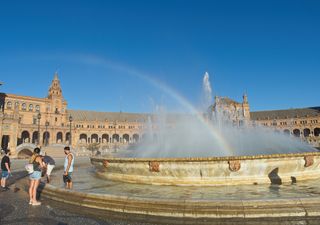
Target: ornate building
[303,123]
[29,121]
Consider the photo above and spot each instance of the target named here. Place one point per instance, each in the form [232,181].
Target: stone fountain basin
[259,169]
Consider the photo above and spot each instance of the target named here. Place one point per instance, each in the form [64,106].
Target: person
[5,167]
[50,164]
[68,167]
[35,177]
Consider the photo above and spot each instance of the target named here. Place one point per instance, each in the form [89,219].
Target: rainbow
[99,61]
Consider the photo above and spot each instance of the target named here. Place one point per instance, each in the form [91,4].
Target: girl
[35,177]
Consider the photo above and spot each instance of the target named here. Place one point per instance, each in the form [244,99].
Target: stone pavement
[15,210]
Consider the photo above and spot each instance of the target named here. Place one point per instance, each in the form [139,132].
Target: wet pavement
[87,180]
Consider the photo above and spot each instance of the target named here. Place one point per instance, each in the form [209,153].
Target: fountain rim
[203,159]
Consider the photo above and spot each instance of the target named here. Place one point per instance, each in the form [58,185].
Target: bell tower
[55,88]
[245,106]
[57,103]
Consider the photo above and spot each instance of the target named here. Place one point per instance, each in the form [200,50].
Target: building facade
[27,122]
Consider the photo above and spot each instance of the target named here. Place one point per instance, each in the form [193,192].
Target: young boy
[5,167]
[68,167]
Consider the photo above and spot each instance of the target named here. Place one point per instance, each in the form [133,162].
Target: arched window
[316,132]
[59,137]
[24,106]
[306,132]
[83,138]
[94,138]
[286,131]
[30,107]
[115,138]
[105,138]
[37,108]
[25,136]
[296,132]
[9,105]
[16,105]
[135,138]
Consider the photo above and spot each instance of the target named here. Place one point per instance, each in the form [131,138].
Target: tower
[55,88]
[55,96]
[245,107]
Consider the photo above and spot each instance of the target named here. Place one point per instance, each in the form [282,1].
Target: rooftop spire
[55,88]
[56,76]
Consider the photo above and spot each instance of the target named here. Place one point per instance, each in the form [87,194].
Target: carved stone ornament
[154,166]
[308,160]
[105,163]
[234,165]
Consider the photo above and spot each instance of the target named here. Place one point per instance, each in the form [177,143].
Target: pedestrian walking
[5,169]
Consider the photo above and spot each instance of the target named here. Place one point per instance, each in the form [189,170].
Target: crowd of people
[40,165]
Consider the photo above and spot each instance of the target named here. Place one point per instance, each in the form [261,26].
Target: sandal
[36,203]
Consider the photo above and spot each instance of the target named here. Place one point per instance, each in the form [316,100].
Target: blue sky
[126,55]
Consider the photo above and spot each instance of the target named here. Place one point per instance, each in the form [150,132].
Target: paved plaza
[14,209]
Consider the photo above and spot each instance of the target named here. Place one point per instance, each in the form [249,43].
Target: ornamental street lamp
[46,137]
[39,117]
[115,136]
[70,136]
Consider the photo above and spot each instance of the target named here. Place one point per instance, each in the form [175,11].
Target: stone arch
[115,138]
[46,138]
[316,132]
[135,137]
[94,138]
[25,136]
[286,131]
[125,138]
[35,137]
[24,154]
[68,137]
[25,150]
[59,138]
[83,138]
[296,132]
[306,132]
[105,138]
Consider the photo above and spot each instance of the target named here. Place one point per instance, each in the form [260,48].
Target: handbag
[29,168]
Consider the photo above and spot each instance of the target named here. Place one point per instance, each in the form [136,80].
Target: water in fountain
[221,131]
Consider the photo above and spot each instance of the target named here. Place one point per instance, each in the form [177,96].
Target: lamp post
[46,137]
[115,136]
[39,117]
[70,136]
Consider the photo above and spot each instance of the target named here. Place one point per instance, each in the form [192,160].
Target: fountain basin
[258,169]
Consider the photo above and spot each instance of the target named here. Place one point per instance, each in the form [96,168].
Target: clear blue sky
[106,52]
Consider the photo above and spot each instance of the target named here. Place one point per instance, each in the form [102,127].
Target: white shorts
[49,169]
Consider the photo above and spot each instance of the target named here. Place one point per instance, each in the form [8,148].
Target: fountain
[216,164]
[220,147]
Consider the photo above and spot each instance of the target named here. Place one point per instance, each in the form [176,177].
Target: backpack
[29,168]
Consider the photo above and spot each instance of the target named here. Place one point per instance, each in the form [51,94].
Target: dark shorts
[67,178]
[4,174]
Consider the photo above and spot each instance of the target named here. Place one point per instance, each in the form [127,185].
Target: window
[9,105]
[30,107]
[37,108]
[24,106]
[16,105]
